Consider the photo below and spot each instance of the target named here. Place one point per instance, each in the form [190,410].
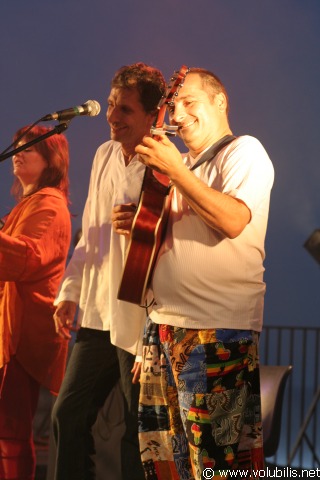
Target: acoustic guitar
[150,220]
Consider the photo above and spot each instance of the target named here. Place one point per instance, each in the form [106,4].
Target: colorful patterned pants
[200,412]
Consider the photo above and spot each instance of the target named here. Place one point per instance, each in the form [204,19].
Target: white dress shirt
[94,272]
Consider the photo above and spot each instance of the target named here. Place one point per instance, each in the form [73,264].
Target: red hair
[55,152]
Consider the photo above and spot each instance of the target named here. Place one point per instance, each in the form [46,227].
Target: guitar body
[150,220]
[148,229]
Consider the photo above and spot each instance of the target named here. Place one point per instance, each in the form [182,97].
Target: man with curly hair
[109,338]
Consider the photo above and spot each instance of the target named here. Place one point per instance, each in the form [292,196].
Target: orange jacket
[34,244]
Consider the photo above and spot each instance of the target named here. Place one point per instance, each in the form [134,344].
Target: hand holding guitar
[122,218]
[160,155]
[149,223]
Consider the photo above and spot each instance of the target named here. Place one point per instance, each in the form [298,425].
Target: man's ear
[221,101]
[154,113]
[153,116]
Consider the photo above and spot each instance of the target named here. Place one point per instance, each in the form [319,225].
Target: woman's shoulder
[48,198]
[49,193]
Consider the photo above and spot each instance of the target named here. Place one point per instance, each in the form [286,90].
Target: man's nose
[177,115]
[112,114]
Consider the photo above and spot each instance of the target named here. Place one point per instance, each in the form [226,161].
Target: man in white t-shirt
[200,393]
[110,333]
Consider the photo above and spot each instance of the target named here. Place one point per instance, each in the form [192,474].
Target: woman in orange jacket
[34,243]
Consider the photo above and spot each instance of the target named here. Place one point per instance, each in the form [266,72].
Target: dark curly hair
[147,80]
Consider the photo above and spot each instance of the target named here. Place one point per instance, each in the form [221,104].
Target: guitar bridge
[169,130]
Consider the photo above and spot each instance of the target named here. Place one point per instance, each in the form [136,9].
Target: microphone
[90,107]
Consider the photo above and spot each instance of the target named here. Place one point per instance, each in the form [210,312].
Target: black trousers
[94,367]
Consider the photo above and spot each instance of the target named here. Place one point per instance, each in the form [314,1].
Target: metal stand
[302,433]
[56,130]
[312,245]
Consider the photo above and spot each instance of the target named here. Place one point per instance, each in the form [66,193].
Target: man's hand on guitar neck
[122,218]
[161,155]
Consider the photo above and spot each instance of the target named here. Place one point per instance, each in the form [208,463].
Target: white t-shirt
[93,275]
[203,279]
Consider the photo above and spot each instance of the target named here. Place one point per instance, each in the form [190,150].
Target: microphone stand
[61,127]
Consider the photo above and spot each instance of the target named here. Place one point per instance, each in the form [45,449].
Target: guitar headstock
[176,82]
